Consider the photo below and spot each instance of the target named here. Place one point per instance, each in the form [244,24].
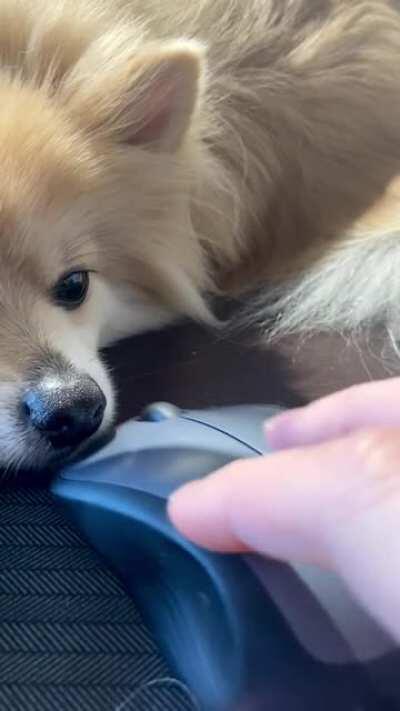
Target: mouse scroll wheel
[158,412]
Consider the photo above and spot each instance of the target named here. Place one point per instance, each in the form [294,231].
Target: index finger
[278,505]
[373,404]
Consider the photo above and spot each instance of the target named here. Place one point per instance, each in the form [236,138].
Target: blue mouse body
[244,634]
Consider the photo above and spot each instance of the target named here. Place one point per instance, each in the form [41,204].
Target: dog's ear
[148,100]
[163,95]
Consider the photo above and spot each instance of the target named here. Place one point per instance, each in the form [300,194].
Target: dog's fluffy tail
[354,286]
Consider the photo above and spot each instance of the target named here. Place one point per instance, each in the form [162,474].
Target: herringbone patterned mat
[70,638]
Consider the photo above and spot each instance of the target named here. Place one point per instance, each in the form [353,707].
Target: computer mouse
[243,633]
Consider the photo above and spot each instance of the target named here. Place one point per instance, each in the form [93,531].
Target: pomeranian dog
[155,153]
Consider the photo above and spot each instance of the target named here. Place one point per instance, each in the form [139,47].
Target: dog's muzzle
[64,407]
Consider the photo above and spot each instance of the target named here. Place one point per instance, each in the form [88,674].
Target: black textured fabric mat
[70,638]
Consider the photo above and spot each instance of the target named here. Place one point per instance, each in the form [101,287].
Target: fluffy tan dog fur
[187,148]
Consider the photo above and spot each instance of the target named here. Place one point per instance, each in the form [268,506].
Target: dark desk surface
[193,367]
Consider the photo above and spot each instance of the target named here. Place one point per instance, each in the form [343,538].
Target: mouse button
[154,471]
[134,435]
[243,423]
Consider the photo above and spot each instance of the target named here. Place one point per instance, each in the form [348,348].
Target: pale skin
[328,495]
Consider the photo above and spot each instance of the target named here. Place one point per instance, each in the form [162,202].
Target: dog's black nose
[65,408]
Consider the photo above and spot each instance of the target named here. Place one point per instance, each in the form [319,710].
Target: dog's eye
[70,292]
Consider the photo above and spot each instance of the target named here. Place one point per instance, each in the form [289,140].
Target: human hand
[329,495]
